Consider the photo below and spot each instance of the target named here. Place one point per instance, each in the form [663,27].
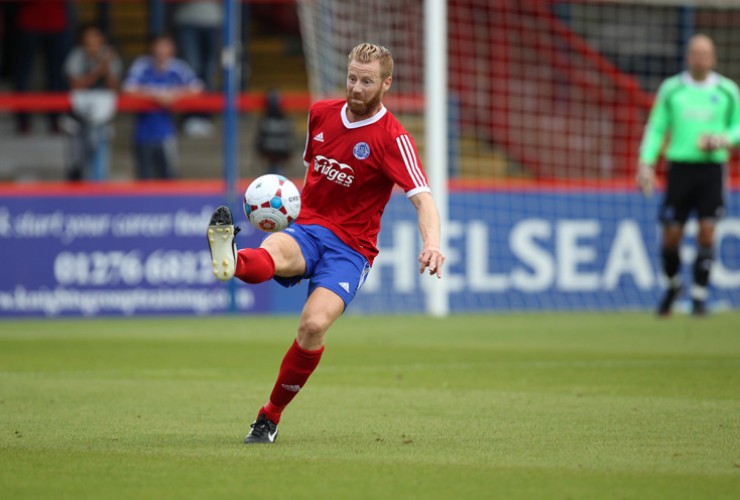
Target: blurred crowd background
[97,49]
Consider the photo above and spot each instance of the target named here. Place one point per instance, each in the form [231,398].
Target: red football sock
[298,364]
[254,265]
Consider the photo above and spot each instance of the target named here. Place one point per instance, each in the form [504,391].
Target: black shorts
[693,186]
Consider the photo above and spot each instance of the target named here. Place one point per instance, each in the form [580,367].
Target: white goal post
[436,117]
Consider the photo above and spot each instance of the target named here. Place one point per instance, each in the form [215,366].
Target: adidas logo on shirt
[345,286]
[319,137]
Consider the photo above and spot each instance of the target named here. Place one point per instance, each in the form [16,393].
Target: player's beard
[363,110]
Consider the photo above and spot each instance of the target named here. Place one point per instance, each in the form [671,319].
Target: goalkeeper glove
[713,142]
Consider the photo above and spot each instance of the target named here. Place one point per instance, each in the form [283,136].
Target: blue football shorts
[330,263]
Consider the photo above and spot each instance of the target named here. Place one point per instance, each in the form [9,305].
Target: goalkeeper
[700,111]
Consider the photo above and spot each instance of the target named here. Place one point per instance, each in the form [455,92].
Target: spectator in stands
[40,24]
[163,79]
[93,70]
[275,134]
[197,29]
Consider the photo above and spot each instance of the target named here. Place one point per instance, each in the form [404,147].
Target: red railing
[247,101]
[142,1]
[292,101]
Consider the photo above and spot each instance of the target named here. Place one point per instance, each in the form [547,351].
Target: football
[272,203]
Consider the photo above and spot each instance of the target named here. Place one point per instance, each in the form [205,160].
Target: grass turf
[502,406]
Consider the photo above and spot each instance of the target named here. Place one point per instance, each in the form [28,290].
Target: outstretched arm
[136,84]
[431,256]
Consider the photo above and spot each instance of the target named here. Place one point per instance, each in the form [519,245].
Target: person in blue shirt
[164,79]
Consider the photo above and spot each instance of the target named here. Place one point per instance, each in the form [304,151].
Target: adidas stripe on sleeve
[405,168]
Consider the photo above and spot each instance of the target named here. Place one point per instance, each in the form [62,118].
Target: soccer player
[700,109]
[356,151]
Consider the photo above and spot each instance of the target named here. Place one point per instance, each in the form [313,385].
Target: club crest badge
[361,150]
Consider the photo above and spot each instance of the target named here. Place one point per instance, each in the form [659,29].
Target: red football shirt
[352,168]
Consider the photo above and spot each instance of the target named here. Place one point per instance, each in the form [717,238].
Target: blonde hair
[368,52]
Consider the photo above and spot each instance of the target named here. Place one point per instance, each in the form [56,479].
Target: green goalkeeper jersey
[686,110]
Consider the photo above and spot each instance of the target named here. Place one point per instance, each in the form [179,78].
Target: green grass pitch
[619,405]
